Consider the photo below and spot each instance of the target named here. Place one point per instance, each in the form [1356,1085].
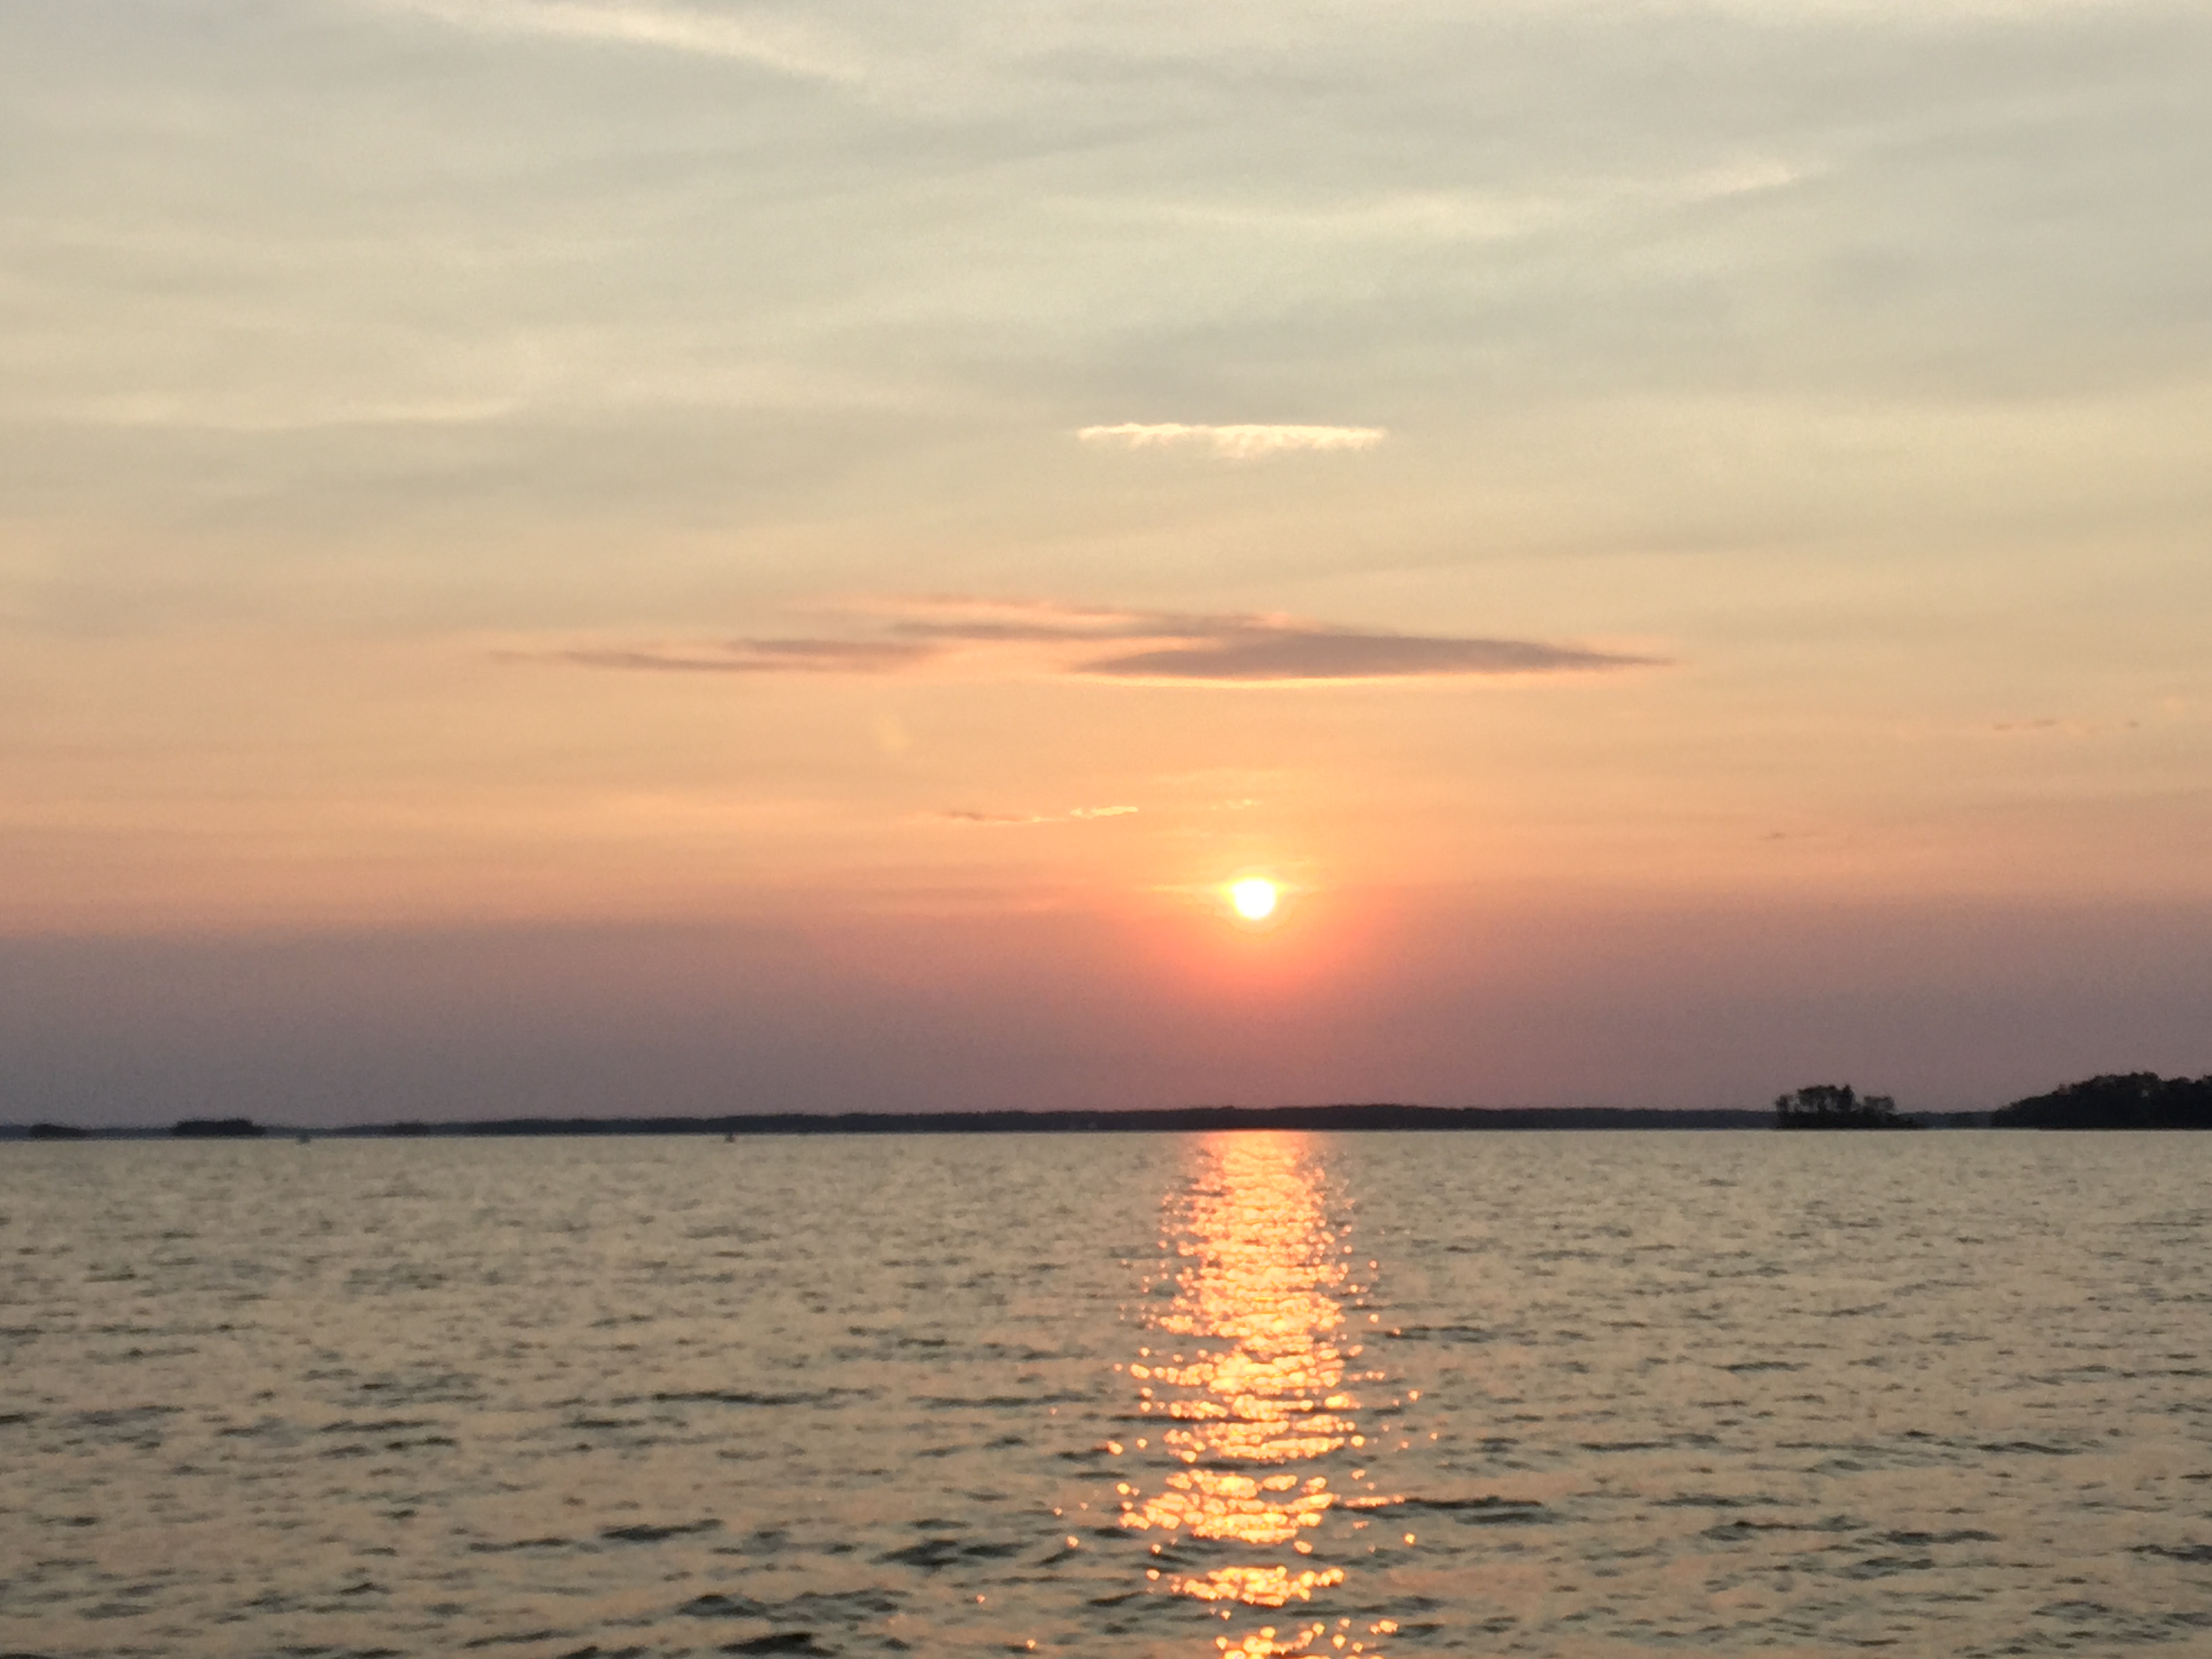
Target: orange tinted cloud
[991,635]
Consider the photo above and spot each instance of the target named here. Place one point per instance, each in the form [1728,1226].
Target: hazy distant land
[2139,1100]
[1172,1119]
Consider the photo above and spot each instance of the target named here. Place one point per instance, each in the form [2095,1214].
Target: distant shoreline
[2131,1100]
[2112,1100]
[1385,1118]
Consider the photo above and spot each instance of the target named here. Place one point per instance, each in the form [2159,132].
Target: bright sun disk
[1254,897]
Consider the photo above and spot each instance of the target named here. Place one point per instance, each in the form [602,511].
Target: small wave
[644,1534]
[744,1397]
[933,1554]
[2201,1553]
[487,1548]
[1484,1511]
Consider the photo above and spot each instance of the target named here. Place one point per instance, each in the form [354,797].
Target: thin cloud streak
[1245,648]
[668,28]
[1240,443]
[1020,820]
[1465,215]
[749,657]
[1307,655]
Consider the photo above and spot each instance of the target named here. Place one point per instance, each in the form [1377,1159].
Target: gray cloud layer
[1306,654]
[1197,648]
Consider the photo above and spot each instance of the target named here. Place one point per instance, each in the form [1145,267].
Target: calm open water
[1275,1394]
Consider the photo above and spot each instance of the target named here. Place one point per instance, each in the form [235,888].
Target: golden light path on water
[1249,1372]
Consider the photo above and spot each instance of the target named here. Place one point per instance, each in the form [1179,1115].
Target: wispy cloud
[639,23]
[1015,820]
[1399,214]
[1241,443]
[748,657]
[1017,639]
[1306,654]
[2069,728]
[1237,647]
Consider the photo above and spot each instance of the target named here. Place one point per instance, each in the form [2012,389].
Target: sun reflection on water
[1249,1374]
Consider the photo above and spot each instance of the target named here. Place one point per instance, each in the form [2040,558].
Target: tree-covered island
[2132,1100]
[1837,1106]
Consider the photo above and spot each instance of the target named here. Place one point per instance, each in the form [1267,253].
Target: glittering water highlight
[1252,1380]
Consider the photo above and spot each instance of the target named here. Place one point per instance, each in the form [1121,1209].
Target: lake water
[1130,1395]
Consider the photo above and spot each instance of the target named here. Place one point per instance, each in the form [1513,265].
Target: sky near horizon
[624,555]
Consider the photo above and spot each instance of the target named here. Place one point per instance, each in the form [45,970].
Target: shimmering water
[1545,1394]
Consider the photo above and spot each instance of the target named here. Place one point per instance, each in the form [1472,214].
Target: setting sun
[1254,897]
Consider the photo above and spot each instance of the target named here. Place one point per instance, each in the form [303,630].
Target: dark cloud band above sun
[1313,654]
[1021,639]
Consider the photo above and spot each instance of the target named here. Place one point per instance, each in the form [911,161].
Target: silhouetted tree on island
[2133,1100]
[1837,1106]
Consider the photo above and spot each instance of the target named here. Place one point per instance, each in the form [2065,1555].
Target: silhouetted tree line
[1837,1106]
[2137,1100]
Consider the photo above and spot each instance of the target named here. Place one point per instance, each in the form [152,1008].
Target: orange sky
[945,499]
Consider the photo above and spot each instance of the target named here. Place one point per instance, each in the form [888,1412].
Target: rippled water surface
[1544,1395]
